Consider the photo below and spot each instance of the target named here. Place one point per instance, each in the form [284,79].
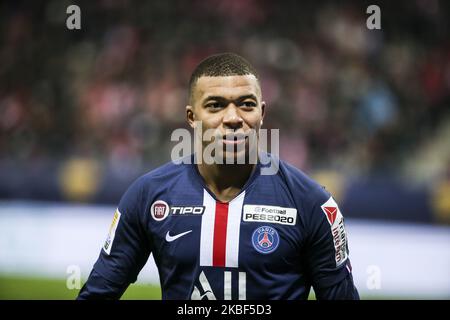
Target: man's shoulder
[159,177]
[142,190]
[300,183]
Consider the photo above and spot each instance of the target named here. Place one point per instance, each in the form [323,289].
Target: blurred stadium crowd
[84,112]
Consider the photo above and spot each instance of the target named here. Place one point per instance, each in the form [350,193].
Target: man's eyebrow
[220,98]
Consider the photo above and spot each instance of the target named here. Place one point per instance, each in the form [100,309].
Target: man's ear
[263,111]
[190,115]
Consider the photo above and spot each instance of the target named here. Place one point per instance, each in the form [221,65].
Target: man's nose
[231,118]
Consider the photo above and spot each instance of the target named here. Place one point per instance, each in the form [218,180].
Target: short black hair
[221,65]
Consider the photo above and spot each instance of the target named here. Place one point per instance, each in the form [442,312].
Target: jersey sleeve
[125,251]
[327,260]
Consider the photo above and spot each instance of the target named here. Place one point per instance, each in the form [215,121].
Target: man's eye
[249,104]
[214,105]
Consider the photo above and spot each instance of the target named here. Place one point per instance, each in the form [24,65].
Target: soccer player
[226,231]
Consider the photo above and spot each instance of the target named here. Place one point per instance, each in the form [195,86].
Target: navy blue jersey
[279,236]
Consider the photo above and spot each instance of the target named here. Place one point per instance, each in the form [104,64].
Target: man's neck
[225,180]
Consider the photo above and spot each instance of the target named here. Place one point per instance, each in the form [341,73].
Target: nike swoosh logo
[170,238]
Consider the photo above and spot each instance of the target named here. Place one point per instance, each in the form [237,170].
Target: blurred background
[85,112]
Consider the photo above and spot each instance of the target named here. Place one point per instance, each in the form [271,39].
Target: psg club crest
[265,239]
[159,210]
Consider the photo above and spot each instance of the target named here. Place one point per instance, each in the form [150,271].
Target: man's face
[231,106]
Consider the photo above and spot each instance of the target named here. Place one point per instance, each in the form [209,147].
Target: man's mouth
[235,139]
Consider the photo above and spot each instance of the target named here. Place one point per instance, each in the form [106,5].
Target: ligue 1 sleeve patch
[112,232]
[336,221]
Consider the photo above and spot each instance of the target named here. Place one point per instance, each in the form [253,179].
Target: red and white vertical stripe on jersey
[219,239]
[220,234]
